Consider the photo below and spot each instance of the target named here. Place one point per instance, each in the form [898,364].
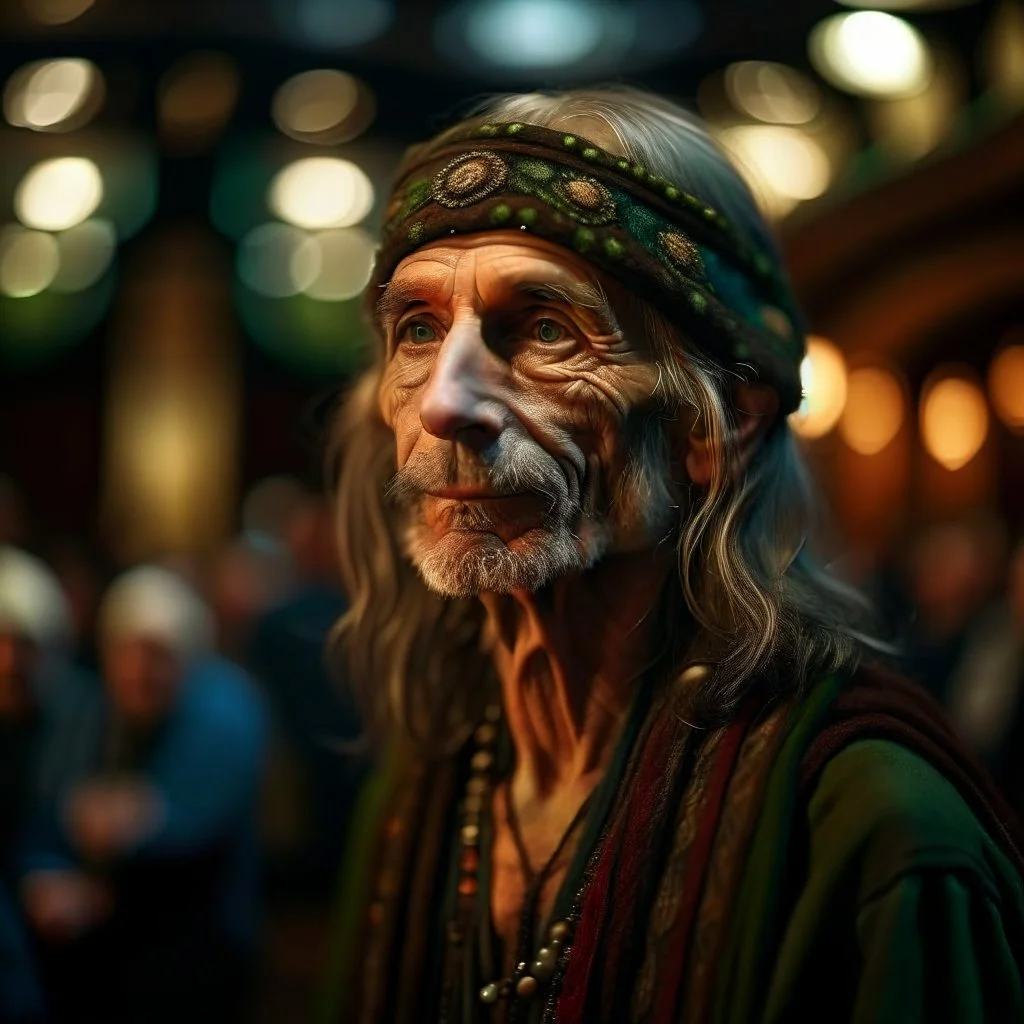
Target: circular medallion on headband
[588,197]
[469,178]
[682,252]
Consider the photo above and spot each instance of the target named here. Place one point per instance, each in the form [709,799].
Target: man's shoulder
[884,807]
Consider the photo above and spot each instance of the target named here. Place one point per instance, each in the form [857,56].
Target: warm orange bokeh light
[874,410]
[954,420]
[823,376]
[1006,386]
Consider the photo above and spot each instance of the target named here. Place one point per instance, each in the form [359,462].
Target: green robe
[910,910]
[877,895]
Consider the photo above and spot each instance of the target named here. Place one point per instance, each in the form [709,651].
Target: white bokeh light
[278,260]
[783,166]
[28,261]
[53,95]
[534,33]
[346,260]
[870,53]
[85,253]
[772,92]
[58,194]
[321,192]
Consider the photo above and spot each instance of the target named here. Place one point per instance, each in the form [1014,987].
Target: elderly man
[140,868]
[637,772]
[35,635]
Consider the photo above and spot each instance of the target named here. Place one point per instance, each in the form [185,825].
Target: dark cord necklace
[530,974]
[468,933]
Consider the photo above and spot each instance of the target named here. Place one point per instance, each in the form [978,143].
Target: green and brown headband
[656,238]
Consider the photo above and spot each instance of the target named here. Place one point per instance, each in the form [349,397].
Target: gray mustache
[523,468]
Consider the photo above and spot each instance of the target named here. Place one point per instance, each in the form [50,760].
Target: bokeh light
[874,410]
[28,261]
[783,165]
[823,378]
[907,5]
[1006,385]
[534,33]
[59,194]
[870,53]
[954,418]
[346,260]
[56,12]
[53,95]
[910,127]
[321,192]
[196,97]
[1003,53]
[326,24]
[85,252]
[770,92]
[323,106]
[278,260]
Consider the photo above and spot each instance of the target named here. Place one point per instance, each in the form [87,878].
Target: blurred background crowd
[188,198]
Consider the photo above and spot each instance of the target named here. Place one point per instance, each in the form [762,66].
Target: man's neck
[569,658]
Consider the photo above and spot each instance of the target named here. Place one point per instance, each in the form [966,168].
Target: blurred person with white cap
[141,867]
[35,630]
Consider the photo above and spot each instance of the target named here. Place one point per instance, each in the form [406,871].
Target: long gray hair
[750,597]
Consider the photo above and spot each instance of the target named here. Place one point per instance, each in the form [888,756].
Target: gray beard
[570,537]
[490,566]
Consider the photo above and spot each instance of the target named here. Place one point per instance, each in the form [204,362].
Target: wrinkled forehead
[486,268]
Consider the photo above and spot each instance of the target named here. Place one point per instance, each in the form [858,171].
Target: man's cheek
[407,429]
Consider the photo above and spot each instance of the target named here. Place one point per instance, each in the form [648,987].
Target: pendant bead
[540,969]
[527,987]
[547,958]
[490,993]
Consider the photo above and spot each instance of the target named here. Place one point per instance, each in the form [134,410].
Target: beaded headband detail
[661,241]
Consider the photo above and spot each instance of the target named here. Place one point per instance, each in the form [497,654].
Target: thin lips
[466,493]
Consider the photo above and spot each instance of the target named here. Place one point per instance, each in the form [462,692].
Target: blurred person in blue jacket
[318,730]
[35,634]
[140,868]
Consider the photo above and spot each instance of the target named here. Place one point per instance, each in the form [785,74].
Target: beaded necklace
[472,989]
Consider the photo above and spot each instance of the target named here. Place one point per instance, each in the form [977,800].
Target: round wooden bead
[489,993]
[527,987]
[544,966]
[485,734]
[560,930]
[546,956]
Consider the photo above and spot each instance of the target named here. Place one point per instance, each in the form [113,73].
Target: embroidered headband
[658,239]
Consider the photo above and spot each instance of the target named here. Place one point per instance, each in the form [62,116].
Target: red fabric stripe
[649,799]
[600,900]
[666,1008]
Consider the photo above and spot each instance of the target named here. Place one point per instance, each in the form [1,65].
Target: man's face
[143,677]
[520,411]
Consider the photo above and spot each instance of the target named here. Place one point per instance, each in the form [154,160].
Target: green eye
[420,332]
[549,331]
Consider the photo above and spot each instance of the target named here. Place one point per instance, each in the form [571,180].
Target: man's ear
[756,407]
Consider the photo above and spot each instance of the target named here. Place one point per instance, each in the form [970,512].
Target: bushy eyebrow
[577,293]
[397,296]
[394,298]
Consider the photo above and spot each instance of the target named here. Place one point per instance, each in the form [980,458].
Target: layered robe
[832,855]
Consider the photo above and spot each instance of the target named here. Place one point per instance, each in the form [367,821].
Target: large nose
[460,401]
